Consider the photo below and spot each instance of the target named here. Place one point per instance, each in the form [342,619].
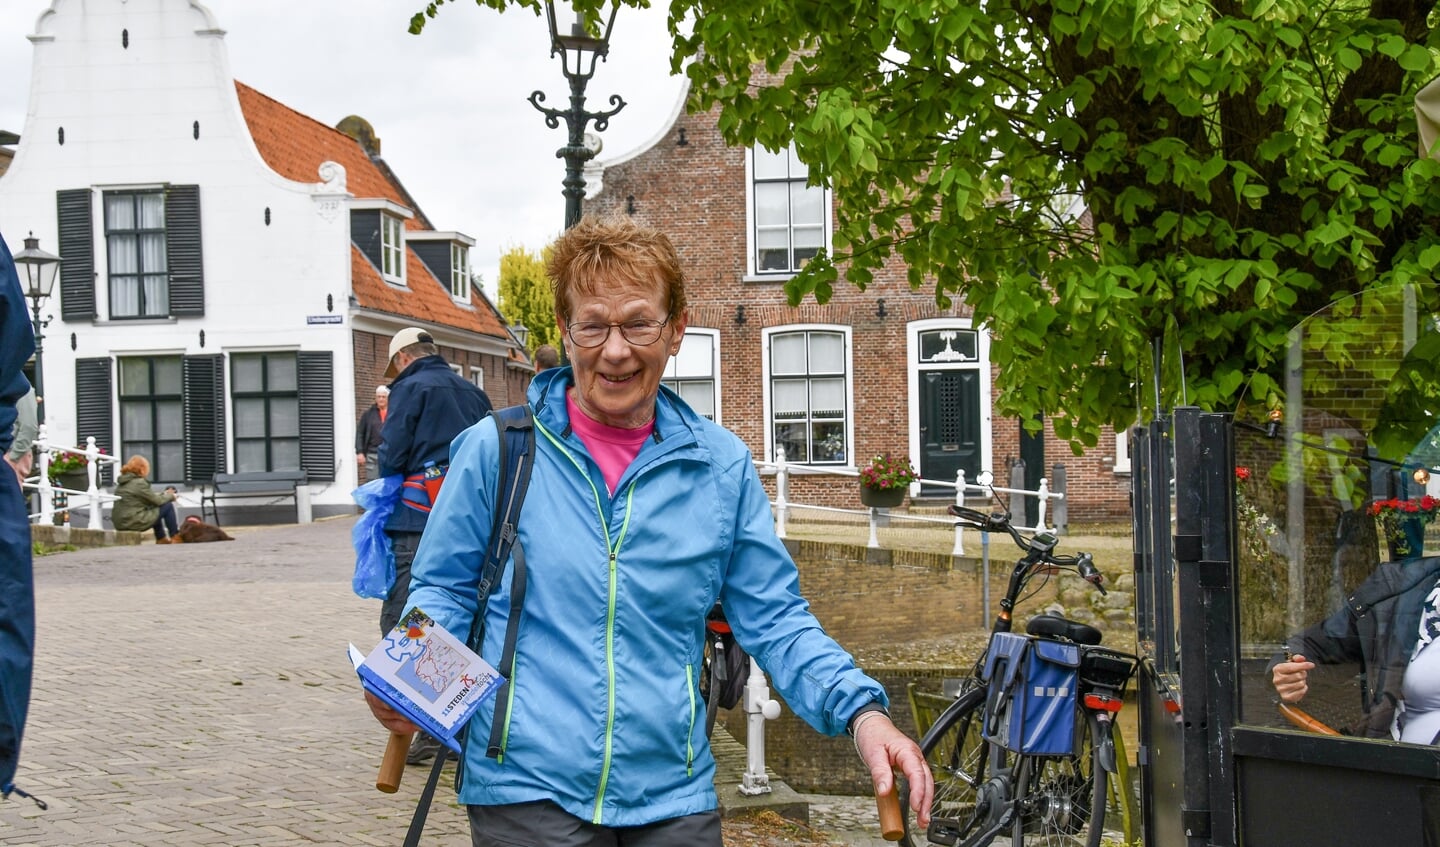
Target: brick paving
[201,694]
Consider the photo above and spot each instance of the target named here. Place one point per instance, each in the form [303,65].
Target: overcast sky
[449,105]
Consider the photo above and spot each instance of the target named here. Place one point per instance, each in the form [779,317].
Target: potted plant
[884,481]
[1404,521]
[67,470]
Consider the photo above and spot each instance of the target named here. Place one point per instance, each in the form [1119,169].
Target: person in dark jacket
[141,507]
[1378,627]
[367,432]
[429,406]
[17,583]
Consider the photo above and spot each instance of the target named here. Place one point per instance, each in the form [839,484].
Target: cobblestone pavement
[200,694]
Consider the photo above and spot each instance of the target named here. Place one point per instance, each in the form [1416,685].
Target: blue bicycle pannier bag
[1032,694]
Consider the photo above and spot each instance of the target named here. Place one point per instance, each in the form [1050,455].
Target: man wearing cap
[429,405]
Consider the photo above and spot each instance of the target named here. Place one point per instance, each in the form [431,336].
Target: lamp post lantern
[38,270]
[579,51]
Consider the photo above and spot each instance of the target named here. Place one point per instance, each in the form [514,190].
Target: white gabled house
[232,270]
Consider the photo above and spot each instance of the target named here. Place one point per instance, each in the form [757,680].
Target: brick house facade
[884,370]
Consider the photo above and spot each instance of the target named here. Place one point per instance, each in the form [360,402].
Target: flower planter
[882,498]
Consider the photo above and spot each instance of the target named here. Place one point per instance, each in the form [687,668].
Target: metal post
[758,709]
[577,47]
[782,490]
[39,328]
[959,501]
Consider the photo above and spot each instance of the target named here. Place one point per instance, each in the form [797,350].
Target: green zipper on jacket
[613,554]
[690,735]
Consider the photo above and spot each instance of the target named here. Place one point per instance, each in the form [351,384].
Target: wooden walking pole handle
[392,767]
[892,822]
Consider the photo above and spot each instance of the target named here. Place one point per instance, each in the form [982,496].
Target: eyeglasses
[639,332]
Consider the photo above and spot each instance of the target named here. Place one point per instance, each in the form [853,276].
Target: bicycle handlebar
[1083,563]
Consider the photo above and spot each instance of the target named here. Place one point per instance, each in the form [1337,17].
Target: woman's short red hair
[138,465]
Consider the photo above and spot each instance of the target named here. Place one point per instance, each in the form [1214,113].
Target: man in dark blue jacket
[429,406]
[17,586]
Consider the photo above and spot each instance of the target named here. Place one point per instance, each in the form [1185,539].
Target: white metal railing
[783,504]
[93,498]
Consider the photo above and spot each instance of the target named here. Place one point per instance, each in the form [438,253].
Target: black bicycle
[1027,748]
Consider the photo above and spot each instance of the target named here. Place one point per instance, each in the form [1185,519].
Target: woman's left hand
[886,750]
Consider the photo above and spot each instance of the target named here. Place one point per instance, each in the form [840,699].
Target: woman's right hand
[391,719]
[1289,678]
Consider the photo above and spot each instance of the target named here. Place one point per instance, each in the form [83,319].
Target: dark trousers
[17,621]
[403,545]
[166,525]
[527,824]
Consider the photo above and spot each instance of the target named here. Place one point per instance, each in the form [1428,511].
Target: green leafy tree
[1097,179]
[526,296]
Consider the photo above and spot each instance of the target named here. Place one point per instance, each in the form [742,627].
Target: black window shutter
[182,251]
[92,407]
[317,414]
[77,248]
[365,233]
[204,417]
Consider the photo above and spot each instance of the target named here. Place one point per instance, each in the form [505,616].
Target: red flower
[1242,473]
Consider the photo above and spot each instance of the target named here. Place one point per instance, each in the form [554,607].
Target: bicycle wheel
[956,754]
[1061,799]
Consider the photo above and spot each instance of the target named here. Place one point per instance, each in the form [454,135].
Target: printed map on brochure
[427,674]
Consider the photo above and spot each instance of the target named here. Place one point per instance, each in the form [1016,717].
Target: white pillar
[758,709]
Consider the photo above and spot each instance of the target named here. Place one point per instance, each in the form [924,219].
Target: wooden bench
[253,484]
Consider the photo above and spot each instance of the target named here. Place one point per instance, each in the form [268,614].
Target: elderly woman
[141,507]
[640,515]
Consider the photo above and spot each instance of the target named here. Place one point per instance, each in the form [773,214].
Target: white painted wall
[128,115]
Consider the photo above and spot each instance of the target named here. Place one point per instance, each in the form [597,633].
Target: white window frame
[981,366]
[392,248]
[477,377]
[1122,451]
[752,271]
[137,232]
[459,271]
[670,376]
[766,338]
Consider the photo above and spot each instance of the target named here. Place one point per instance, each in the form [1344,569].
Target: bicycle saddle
[1047,625]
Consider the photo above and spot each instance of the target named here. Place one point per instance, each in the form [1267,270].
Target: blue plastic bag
[374,560]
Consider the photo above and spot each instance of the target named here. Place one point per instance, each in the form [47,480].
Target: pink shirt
[612,448]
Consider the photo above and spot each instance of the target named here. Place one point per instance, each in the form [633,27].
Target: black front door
[949,426]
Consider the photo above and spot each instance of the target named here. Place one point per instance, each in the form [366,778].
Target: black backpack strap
[516,425]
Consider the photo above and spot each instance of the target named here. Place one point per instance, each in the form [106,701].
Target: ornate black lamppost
[579,51]
[38,270]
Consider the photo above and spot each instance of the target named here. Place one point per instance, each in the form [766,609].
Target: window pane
[284,417]
[829,442]
[134,377]
[827,398]
[772,259]
[797,167]
[807,205]
[247,373]
[787,353]
[770,165]
[827,352]
[170,419]
[119,211]
[125,297]
[123,254]
[772,206]
[285,454]
[282,373]
[250,456]
[152,211]
[170,462]
[249,417]
[790,400]
[157,296]
[135,420]
[700,394]
[696,356]
[167,376]
[152,253]
[791,438]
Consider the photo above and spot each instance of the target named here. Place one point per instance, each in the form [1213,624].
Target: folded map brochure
[428,675]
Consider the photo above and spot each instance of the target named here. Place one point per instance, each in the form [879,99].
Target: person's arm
[144,492]
[1332,641]
[397,435]
[817,677]
[26,427]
